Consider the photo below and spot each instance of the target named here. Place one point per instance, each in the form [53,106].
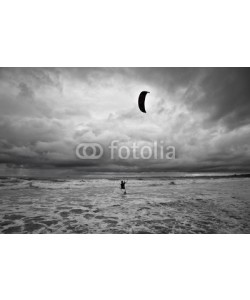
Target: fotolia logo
[119,150]
[89,151]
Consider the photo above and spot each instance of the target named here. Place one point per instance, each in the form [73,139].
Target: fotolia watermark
[120,150]
[89,151]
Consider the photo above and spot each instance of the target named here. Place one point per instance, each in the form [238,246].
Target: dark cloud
[203,112]
[225,96]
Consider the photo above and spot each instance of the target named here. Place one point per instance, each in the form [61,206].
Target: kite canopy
[141,101]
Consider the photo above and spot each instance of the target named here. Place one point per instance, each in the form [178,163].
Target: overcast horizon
[46,112]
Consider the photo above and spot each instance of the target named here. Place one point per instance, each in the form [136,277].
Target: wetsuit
[122,185]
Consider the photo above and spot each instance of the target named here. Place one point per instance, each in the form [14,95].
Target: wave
[23,181]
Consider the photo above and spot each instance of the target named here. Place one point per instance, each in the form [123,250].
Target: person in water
[123,185]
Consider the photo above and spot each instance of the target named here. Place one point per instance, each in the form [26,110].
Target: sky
[201,113]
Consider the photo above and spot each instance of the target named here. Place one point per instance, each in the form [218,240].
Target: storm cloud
[46,112]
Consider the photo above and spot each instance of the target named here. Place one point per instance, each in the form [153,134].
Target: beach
[96,205]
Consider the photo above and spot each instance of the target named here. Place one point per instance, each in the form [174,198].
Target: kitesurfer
[123,185]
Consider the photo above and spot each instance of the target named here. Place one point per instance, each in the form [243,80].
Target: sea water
[154,203]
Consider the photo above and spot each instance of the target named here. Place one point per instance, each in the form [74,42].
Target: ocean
[155,203]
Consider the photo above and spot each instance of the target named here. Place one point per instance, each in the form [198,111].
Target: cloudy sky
[45,113]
